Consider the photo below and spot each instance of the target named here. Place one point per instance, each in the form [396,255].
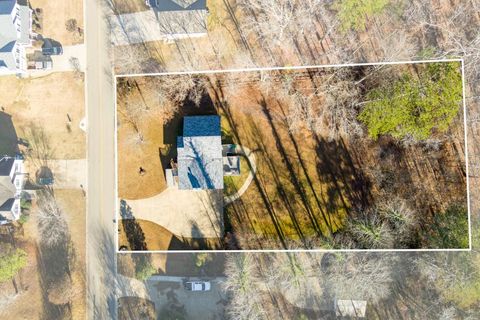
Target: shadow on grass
[133,230]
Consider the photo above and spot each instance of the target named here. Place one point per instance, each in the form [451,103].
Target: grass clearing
[47,103]
[55,16]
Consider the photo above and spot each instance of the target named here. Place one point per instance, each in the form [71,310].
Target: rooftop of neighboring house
[7,188]
[200,162]
[9,34]
[178,5]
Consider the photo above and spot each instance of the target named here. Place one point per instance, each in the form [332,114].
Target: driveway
[205,305]
[69,174]
[62,62]
[185,213]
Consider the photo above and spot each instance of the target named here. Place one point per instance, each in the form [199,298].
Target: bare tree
[51,220]
[245,304]
[365,276]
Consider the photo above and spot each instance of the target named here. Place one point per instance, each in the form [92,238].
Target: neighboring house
[168,20]
[15,36]
[11,187]
[350,308]
[202,160]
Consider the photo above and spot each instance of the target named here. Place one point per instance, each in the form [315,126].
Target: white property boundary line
[295,68]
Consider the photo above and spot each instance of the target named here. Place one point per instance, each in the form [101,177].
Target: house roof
[6,164]
[7,190]
[176,5]
[200,162]
[8,31]
[156,25]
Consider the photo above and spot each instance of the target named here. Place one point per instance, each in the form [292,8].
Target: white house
[15,36]
[168,20]
[12,180]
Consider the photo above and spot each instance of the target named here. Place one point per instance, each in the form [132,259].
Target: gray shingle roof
[7,189]
[200,162]
[173,5]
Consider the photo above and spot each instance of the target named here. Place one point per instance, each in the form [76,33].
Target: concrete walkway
[185,213]
[251,158]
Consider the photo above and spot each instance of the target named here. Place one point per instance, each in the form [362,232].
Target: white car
[198,285]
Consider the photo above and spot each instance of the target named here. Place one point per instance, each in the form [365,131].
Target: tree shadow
[133,230]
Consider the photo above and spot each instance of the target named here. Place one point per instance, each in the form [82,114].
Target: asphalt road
[101,256]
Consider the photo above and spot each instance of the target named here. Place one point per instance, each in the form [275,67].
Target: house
[202,160]
[168,20]
[177,5]
[199,154]
[350,308]
[15,36]
[11,187]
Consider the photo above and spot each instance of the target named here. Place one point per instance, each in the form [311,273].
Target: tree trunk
[15,285]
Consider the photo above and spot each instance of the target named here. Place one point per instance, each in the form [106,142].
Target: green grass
[233,183]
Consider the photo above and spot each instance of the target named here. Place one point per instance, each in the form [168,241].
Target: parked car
[51,47]
[52,51]
[198,285]
[45,181]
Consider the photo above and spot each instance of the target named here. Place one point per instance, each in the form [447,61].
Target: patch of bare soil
[55,14]
[135,308]
[128,6]
[74,205]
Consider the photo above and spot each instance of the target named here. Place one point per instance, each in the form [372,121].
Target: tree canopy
[353,13]
[415,106]
[11,263]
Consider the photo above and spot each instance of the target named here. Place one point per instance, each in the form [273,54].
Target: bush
[450,229]
[144,268]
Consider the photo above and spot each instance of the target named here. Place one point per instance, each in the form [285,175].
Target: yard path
[185,213]
[253,170]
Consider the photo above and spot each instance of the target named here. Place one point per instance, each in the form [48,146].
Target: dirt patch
[74,205]
[55,15]
[54,105]
[135,308]
[130,6]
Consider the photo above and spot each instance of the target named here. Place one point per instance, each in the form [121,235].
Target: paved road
[101,256]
